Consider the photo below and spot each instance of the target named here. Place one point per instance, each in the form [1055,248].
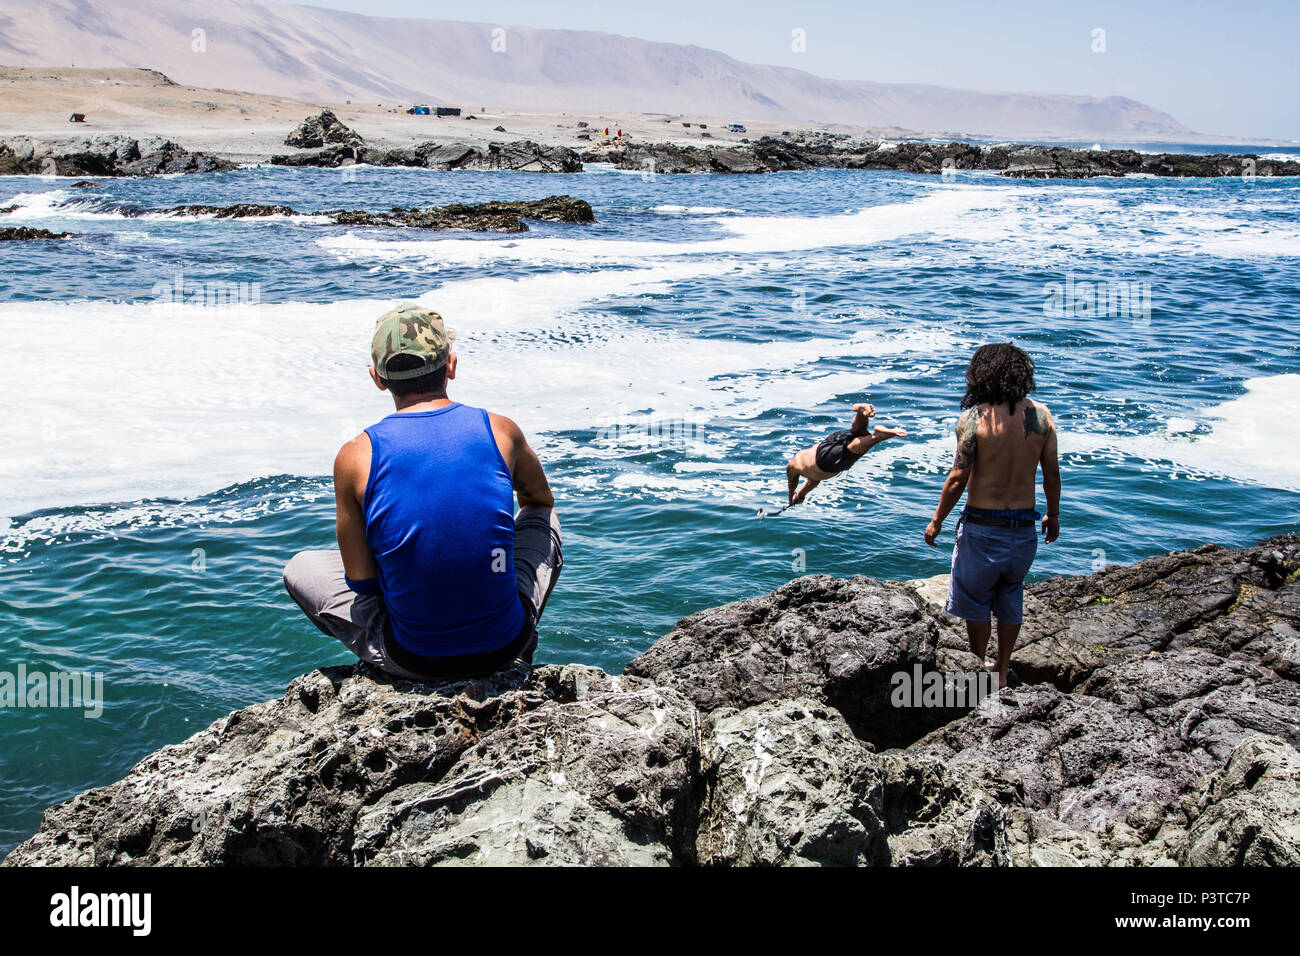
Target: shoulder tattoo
[1035,419]
[967,427]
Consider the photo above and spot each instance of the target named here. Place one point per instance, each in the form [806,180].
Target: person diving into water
[836,453]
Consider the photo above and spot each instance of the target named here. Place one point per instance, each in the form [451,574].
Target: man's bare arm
[1051,484]
[958,476]
[531,487]
[351,468]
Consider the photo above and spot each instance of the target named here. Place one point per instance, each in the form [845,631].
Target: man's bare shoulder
[1038,418]
[353,455]
[967,441]
[509,436]
[504,425]
[968,424]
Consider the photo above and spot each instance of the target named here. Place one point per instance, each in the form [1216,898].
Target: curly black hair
[998,373]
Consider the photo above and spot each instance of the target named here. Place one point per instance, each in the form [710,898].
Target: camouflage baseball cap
[410,329]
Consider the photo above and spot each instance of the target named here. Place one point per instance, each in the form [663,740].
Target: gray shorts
[989,565]
[314,579]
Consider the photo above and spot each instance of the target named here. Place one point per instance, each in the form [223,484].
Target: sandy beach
[250,127]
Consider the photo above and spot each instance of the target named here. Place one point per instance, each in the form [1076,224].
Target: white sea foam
[182,400]
[672,209]
[1248,439]
[1031,223]
[78,205]
[37,205]
[744,235]
[115,520]
[1252,438]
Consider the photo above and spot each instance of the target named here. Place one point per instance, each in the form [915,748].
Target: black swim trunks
[833,455]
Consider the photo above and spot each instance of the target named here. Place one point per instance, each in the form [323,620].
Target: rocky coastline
[1158,724]
[323,141]
[1023,161]
[104,156]
[330,143]
[522,156]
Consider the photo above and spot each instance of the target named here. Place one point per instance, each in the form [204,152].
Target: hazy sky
[1231,66]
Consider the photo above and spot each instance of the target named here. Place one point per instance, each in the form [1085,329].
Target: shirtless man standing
[1002,438]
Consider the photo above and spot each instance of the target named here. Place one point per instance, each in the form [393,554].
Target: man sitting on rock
[433,579]
[1002,438]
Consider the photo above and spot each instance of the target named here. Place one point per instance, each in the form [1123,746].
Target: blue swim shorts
[989,565]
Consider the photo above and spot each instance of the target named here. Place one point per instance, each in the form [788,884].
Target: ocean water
[165,458]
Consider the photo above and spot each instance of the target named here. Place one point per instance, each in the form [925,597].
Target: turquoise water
[164,460]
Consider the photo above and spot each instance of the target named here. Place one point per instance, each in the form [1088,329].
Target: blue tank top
[439,519]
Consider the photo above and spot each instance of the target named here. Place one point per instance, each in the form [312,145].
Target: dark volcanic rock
[350,767]
[600,770]
[1251,810]
[787,782]
[1244,603]
[936,816]
[834,640]
[330,157]
[241,210]
[1079,760]
[527,157]
[323,129]
[839,151]
[520,156]
[23,233]
[750,736]
[669,158]
[482,217]
[1209,702]
[104,156]
[281,782]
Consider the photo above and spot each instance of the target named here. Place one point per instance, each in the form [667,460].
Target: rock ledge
[1159,727]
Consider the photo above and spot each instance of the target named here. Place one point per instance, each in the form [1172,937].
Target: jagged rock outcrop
[481,217]
[523,156]
[323,129]
[787,782]
[836,640]
[839,151]
[25,233]
[1250,813]
[103,156]
[766,733]
[1236,604]
[243,210]
[593,769]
